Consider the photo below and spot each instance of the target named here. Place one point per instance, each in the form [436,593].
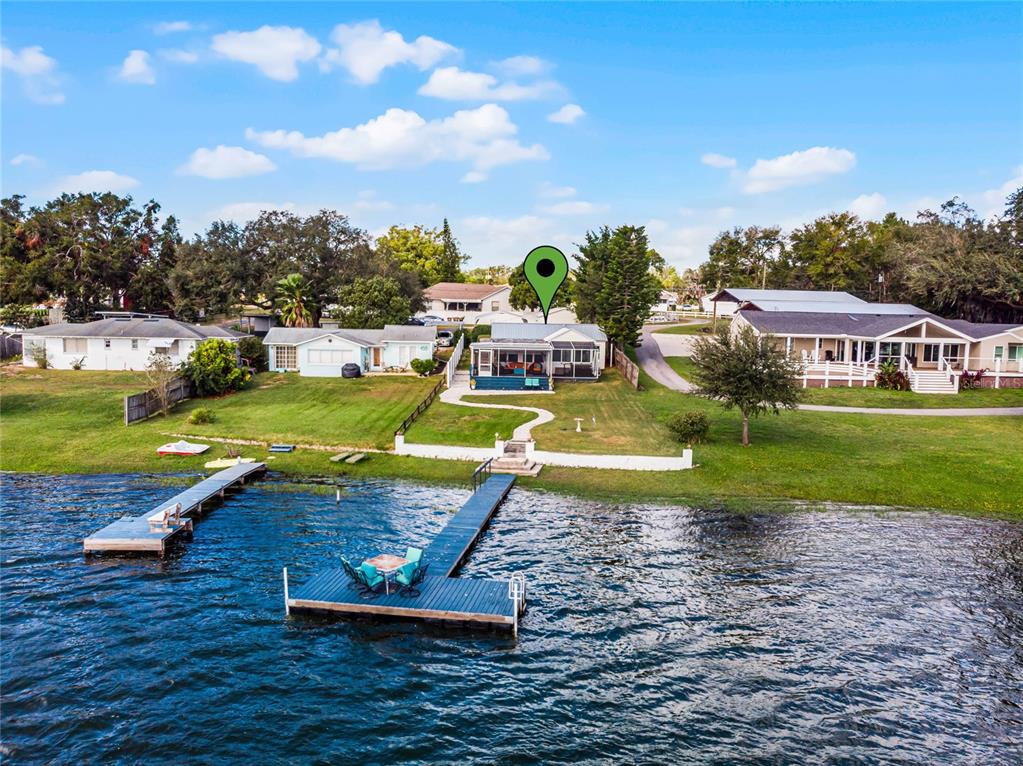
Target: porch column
[941,354]
[816,350]
[788,345]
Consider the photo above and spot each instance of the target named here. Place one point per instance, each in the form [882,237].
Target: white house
[482,304]
[322,352]
[118,342]
[667,301]
[531,356]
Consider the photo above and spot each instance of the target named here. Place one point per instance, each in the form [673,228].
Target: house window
[495,305]
[329,356]
[134,344]
[999,351]
[582,356]
[106,343]
[888,351]
[1015,352]
[284,358]
[931,352]
[75,346]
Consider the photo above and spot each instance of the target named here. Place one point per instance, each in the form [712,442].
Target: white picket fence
[456,356]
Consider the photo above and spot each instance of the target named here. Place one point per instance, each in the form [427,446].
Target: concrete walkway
[460,388]
[651,359]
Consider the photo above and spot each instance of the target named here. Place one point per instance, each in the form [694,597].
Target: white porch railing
[456,356]
[996,367]
[947,367]
[847,373]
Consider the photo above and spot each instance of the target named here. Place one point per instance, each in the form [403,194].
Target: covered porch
[531,365]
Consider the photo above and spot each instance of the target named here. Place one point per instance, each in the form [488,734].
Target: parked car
[416,321]
[445,338]
[351,370]
[433,319]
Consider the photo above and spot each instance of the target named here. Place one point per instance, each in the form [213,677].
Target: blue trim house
[322,352]
[528,357]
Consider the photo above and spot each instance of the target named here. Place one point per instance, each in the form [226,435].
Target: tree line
[949,262]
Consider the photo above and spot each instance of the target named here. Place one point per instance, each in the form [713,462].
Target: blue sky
[523,124]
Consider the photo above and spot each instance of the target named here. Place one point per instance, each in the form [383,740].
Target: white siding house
[322,352]
[472,304]
[118,343]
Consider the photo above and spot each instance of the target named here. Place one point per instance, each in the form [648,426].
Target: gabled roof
[461,291]
[835,307]
[742,294]
[537,331]
[392,333]
[134,327]
[862,324]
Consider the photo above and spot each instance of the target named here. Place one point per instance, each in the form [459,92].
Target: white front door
[486,362]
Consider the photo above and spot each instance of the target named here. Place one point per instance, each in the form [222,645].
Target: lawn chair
[409,576]
[413,555]
[370,577]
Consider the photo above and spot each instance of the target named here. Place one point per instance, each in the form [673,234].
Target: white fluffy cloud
[992,201]
[136,69]
[275,51]
[567,114]
[869,207]
[798,169]
[366,49]
[169,27]
[521,66]
[573,207]
[24,159]
[179,56]
[551,191]
[483,137]
[454,84]
[716,160]
[37,71]
[95,181]
[226,162]
[507,240]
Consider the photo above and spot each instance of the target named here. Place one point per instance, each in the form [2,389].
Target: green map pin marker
[546,268]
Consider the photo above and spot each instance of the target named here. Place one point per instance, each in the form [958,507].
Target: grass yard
[843,396]
[65,421]
[963,464]
[700,328]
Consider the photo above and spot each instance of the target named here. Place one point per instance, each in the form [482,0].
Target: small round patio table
[387,564]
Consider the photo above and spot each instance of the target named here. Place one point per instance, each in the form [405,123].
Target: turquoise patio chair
[413,555]
[370,576]
[408,576]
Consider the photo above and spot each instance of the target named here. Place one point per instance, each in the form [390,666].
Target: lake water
[654,634]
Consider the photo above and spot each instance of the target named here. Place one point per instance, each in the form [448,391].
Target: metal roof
[861,325]
[741,294]
[834,307]
[537,331]
[392,333]
[134,327]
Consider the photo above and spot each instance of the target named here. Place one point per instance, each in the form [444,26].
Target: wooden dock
[135,534]
[442,597]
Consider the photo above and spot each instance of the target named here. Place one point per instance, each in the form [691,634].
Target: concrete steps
[932,383]
[514,460]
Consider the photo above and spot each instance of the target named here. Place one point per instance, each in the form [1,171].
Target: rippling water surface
[654,634]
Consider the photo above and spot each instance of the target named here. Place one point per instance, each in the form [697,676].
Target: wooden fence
[141,406]
[406,424]
[628,367]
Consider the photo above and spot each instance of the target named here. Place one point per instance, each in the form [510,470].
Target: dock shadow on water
[654,634]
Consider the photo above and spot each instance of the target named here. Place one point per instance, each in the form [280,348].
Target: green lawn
[700,328]
[67,422]
[843,396]
[58,420]
[965,464]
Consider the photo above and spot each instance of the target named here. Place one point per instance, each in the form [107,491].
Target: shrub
[423,366]
[213,368]
[253,353]
[971,379]
[78,364]
[37,353]
[477,332]
[889,376]
[689,427]
[201,416]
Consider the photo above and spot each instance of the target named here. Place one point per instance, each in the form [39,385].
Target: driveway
[651,354]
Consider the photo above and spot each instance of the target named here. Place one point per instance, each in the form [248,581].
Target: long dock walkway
[442,597]
[135,534]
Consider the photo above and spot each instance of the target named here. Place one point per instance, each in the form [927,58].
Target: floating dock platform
[135,534]
[442,596]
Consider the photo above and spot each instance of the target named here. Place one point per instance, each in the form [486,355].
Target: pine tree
[449,266]
[629,287]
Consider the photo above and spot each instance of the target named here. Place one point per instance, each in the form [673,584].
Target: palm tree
[293,302]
